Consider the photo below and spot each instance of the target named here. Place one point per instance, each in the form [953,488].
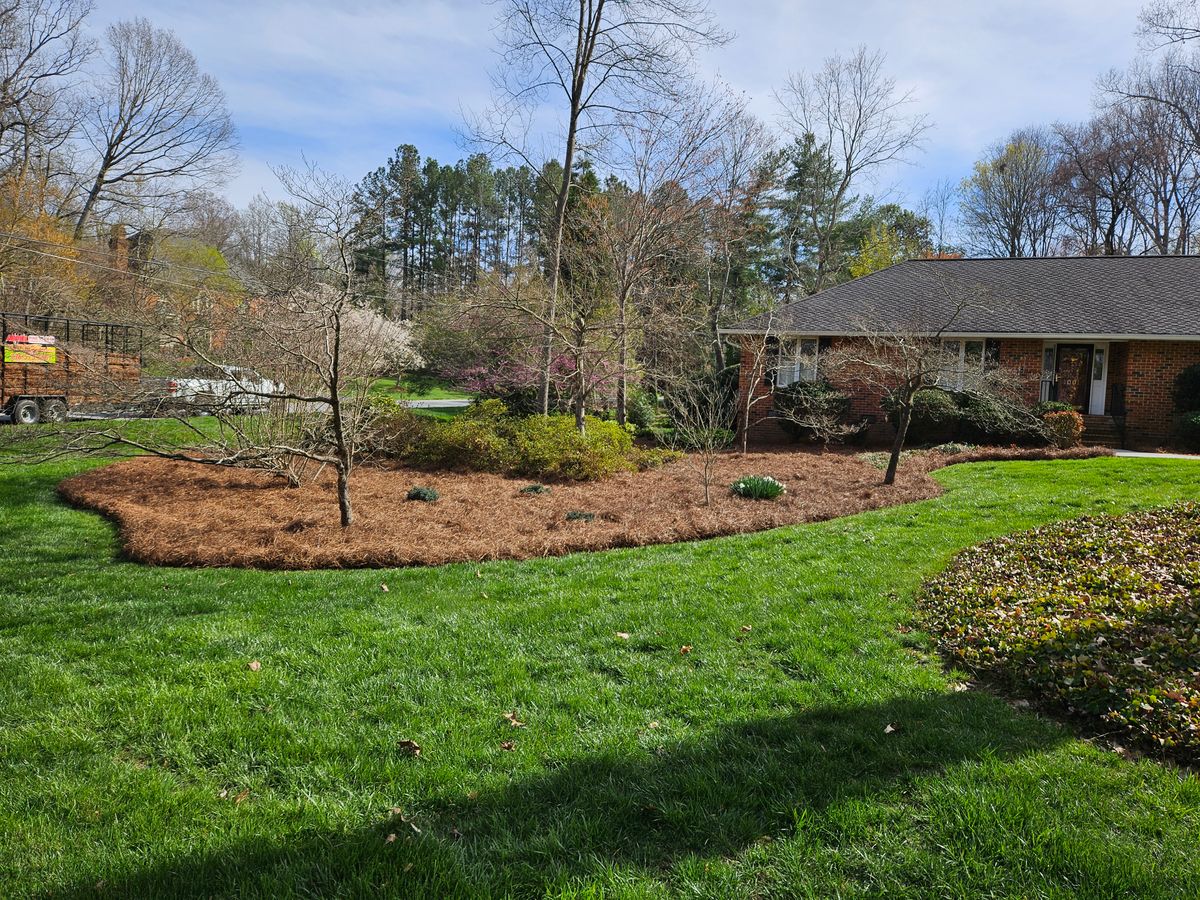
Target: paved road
[1134,454]
[436,404]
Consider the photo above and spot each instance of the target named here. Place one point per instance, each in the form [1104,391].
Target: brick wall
[1149,374]
[1024,357]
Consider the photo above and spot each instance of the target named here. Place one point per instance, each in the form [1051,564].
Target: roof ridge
[960,259]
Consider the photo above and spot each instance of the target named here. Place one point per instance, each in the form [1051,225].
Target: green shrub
[757,487]
[1187,390]
[576,515]
[1065,428]
[940,417]
[535,489]
[813,401]
[654,457]
[422,494]
[485,438]
[641,409]
[935,417]
[1187,431]
[552,447]
[1047,406]
[953,448]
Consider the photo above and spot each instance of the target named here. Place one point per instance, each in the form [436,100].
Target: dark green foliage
[942,417]
[758,487]
[935,417]
[811,402]
[1187,390]
[576,515]
[422,494]
[485,438]
[535,489]
[1100,615]
[642,411]
[1187,431]
[1048,406]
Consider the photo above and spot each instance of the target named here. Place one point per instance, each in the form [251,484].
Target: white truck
[224,388]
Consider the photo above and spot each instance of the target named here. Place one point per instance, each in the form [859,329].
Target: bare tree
[857,115]
[42,45]
[1009,205]
[159,127]
[596,58]
[1165,22]
[938,208]
[897,359]
[1096,178]
[702,417]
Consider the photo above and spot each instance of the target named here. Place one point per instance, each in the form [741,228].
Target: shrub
[940,417]
[1187,431]
[422,494]
[1187,390]
[953,448]
[552,447]
[988,421]
[576,515]
[641,409]
[485,438]
[535,489]
[1099,615]
[811,402]
[1064,428]
[654,457]
[757,487]
[1047,406]
[935,417]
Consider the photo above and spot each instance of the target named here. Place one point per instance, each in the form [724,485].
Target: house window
[797,361]
[964,362]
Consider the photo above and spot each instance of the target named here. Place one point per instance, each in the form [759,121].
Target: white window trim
[957,378]
[794,364]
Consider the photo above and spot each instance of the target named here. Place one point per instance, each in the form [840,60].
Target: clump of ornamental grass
[758,487]
[422,494]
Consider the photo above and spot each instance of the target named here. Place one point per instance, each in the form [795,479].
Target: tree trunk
[343,492]
[623,362]
[889,477]
[88,205]
[560,223]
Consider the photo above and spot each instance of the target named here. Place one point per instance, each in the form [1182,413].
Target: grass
[822,753]
[417,387]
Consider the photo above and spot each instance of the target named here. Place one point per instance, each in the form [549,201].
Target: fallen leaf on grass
[384,588]
[623,635]
[472,795]
[747,628]
[390,839]
[653,725]
[508,745]
[412,748]
[511,718]
[685,649]
[241,796]
[891,729]
[254,665]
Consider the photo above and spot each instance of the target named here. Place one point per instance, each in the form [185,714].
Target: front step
[1101,431]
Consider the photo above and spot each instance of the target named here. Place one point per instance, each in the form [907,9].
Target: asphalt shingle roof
[1053,296]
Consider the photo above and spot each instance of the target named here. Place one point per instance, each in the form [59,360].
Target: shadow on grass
[647,807]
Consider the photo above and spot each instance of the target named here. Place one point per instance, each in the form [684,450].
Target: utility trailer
[52,365]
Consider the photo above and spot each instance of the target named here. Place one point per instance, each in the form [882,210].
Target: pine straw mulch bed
[182,514]
[1099,616]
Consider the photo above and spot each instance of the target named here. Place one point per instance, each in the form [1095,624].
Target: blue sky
[346,82]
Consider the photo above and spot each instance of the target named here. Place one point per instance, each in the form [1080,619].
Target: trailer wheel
[54,411]
[26,412]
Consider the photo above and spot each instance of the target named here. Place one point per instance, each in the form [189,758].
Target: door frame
[1097,373]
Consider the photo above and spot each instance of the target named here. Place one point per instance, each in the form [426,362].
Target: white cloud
[346,82]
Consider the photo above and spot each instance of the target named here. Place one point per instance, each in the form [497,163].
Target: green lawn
[138,753]
[416,387]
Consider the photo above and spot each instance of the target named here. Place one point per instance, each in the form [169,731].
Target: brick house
[1107,335]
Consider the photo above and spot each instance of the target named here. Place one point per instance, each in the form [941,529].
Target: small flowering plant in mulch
[758,487]
[1099,615]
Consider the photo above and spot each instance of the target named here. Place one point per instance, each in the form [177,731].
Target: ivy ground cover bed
[169,732]
[176,513]
[1100,615]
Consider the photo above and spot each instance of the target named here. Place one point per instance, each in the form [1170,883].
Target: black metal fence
[108,336]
